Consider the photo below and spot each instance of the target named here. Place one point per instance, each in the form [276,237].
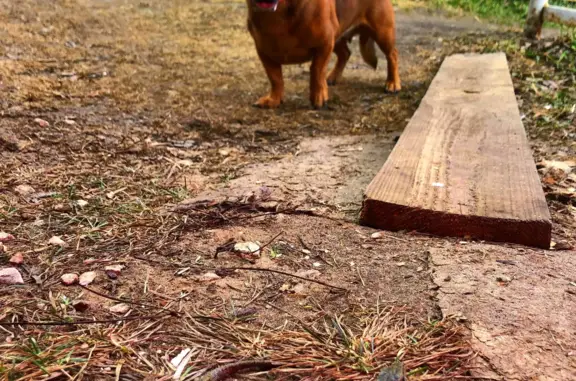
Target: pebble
[10,276]
[41,122]
[503,278]
[120,308]
[563,245]
[17,259]
[69,279]
[5,237]
[247,247]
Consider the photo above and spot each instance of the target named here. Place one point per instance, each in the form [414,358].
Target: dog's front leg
[318,85]
[274,73]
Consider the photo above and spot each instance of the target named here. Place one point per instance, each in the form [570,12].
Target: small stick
[229,370]
[172,312]
[285,273]
[268,243]
[360,275]
[81,322]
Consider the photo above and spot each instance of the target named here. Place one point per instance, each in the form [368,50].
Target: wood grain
[463,166]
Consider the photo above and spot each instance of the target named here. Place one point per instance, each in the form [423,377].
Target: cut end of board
[392,217]
[463,166]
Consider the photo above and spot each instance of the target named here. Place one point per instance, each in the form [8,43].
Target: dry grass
[354,347]
[149,104]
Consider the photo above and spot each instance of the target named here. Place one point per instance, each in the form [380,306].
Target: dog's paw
[393,86]
[320,99]
[332,80]
[268,102]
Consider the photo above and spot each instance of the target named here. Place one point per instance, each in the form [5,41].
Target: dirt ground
[127,131]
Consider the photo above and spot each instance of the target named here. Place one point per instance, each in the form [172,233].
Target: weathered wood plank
[463,166]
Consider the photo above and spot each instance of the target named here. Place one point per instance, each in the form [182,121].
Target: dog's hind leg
[383,31]
[318,83]
[343,54]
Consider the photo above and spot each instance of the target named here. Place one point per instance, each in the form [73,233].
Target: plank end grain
[463,166]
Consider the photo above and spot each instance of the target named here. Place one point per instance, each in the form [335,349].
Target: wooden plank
[463,166]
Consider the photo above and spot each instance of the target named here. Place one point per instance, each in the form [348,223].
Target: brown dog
[297,31]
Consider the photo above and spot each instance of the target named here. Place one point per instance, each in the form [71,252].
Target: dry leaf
[87,278]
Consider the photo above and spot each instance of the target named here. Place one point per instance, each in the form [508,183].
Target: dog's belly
[287,52]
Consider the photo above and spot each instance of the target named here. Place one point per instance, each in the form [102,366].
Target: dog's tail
[368,50]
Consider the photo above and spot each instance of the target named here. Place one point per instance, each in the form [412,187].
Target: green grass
[508,11]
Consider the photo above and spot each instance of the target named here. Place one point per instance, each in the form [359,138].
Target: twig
[303,243]
[229,370]
[268,243]
[80,322]
[172,312]
[285,273]
[360,275]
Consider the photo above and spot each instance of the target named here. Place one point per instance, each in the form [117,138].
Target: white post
[535,18]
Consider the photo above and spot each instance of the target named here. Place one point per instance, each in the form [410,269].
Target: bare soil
[120,117]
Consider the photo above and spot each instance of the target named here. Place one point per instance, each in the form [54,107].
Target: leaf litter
[118,148]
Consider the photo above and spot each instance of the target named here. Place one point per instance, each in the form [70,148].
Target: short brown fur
[299,31]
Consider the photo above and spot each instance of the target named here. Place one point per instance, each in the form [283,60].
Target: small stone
[448,278]
[367,247]
[316,264]
[81,203]
[5,237]
[247,248]
[420,269]
[300,289]
[209,276]
[563,245]
[312,274]
[57,241]
[117,269]
[433,287]
[10,276]
[81,306]
[306,251]
[503,279]
[111,274]
[87,278]
[41,122]
[376,235]
[120,308]
[400,264]
[62,208]
[24,190]
[69,279]
[17,259]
